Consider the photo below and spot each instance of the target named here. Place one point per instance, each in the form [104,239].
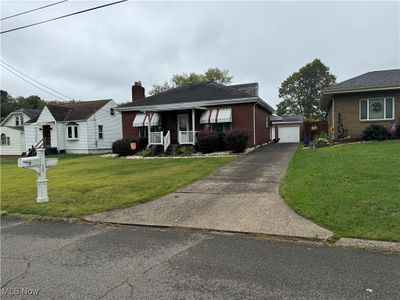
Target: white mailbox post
[39,164]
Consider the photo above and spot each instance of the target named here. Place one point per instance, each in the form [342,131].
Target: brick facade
[348,105]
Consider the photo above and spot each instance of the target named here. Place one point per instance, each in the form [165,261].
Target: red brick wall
[262,132]
[128,131]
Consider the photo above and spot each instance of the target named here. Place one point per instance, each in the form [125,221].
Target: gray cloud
[101,53]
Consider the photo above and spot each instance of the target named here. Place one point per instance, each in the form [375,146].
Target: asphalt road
[84,261]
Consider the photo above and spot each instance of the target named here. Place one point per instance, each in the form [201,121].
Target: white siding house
[77,127]
[12,131]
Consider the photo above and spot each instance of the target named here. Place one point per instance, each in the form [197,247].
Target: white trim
[286,122]
[197,104]
[193,125]
[177,124]
[384,109]
[372,89]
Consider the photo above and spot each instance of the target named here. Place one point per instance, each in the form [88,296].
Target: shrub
[236,141]
[145,152]
[185,150]
[207,141]
[142,143]
[375,132]
[322,139]
[122,147]
[221,141]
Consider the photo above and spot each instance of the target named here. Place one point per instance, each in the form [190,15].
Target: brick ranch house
[371,98]
[175,116]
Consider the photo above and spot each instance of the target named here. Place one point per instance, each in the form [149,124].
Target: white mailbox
[39,164]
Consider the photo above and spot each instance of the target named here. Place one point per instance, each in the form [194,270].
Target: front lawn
[353,190]
[82,185]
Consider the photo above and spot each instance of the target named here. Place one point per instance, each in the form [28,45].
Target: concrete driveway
[242,196]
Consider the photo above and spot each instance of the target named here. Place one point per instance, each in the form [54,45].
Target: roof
[75,111]
[192,93]
[30,113]
[375,79]
[371,81]
[287,119]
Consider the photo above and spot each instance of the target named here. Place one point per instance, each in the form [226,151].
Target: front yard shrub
[145,152]
[236,141]
[221,141]
[207,141]
[321,140]
[122,147]
[142,143]
[185,150]
[375,133]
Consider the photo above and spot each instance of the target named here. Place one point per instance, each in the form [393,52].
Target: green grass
[353,190]
[84,184]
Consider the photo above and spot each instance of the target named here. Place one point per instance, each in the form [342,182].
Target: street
[57,260]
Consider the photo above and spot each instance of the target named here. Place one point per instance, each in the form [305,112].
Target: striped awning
[142,120]
[216,115]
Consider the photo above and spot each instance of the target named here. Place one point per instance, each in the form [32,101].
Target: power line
[31,10]
[15,69]
[57,97]
[63,16]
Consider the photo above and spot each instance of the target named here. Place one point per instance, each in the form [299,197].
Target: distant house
[12,131]
[354,104]
[75,127]
[175,116]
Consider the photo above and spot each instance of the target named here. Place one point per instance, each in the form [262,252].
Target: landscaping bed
[84,184]
[351,189]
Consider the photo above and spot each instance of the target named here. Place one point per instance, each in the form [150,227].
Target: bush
[375,132]
[142,144]
[123,147]
[185,150]
[236,141]
[145,152]
[207,141]
[221,141]
[322,139]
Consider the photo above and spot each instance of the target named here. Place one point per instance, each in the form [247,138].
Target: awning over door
[142,120]
[216,115]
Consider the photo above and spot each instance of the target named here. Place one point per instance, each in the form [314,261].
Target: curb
[368,244]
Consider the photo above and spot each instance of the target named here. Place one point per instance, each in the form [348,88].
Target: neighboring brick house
[176,115]
[354,104]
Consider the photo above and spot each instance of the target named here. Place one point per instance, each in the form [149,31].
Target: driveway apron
[242,196]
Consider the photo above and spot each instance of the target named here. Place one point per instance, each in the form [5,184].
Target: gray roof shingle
[375,79]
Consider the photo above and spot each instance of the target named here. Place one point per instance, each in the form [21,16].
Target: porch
[164,128]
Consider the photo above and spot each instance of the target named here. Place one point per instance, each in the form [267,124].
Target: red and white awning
[142,120]
[216,115]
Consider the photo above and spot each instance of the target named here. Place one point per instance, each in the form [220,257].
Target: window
[220,127]
[72,131]
[19,120]
[100,131]
[143,132]
[376,109]
[112,111]
[267,121]
[5,141]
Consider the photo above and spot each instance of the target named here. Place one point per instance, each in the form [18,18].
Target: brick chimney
[137,91]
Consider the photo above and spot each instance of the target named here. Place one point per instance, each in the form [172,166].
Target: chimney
[137,91]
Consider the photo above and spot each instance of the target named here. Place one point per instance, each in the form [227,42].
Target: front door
[183,128]
[46,136]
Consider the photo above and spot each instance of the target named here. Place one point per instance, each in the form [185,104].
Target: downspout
[333,118]
[254,124]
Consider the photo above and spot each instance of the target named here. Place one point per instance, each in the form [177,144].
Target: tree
[9,104]
[301,91]
[212,74]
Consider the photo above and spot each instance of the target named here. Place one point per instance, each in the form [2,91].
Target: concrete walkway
[242,196]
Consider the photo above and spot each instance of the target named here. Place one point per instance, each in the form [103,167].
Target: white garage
[286,129]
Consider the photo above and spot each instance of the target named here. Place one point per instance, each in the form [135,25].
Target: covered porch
[164,128]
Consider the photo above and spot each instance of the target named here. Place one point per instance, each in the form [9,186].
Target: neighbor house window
[220,127]
[5,140]
[19,120]
[72,131]
[377,109]
[100,131]
[112,112]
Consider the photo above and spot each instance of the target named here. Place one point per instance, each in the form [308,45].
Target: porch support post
[193,125]
[148,128]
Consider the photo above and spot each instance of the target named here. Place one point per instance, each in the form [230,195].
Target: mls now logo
[19,291]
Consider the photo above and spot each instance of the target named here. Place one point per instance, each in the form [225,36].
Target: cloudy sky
[100,54]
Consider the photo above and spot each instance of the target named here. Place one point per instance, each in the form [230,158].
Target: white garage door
[290,134]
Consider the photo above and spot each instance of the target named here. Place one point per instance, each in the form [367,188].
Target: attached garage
[286,129]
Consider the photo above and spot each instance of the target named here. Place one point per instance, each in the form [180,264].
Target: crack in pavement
[28,266]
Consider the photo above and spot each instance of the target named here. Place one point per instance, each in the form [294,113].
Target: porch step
[172,149]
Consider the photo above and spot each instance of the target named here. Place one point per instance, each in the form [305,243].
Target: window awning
[216,115]
[142,120]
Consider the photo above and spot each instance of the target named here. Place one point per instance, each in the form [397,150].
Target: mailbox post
[39,164]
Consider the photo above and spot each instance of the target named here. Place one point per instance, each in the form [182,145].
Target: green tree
[9,104]
[211,74]
[301,91]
